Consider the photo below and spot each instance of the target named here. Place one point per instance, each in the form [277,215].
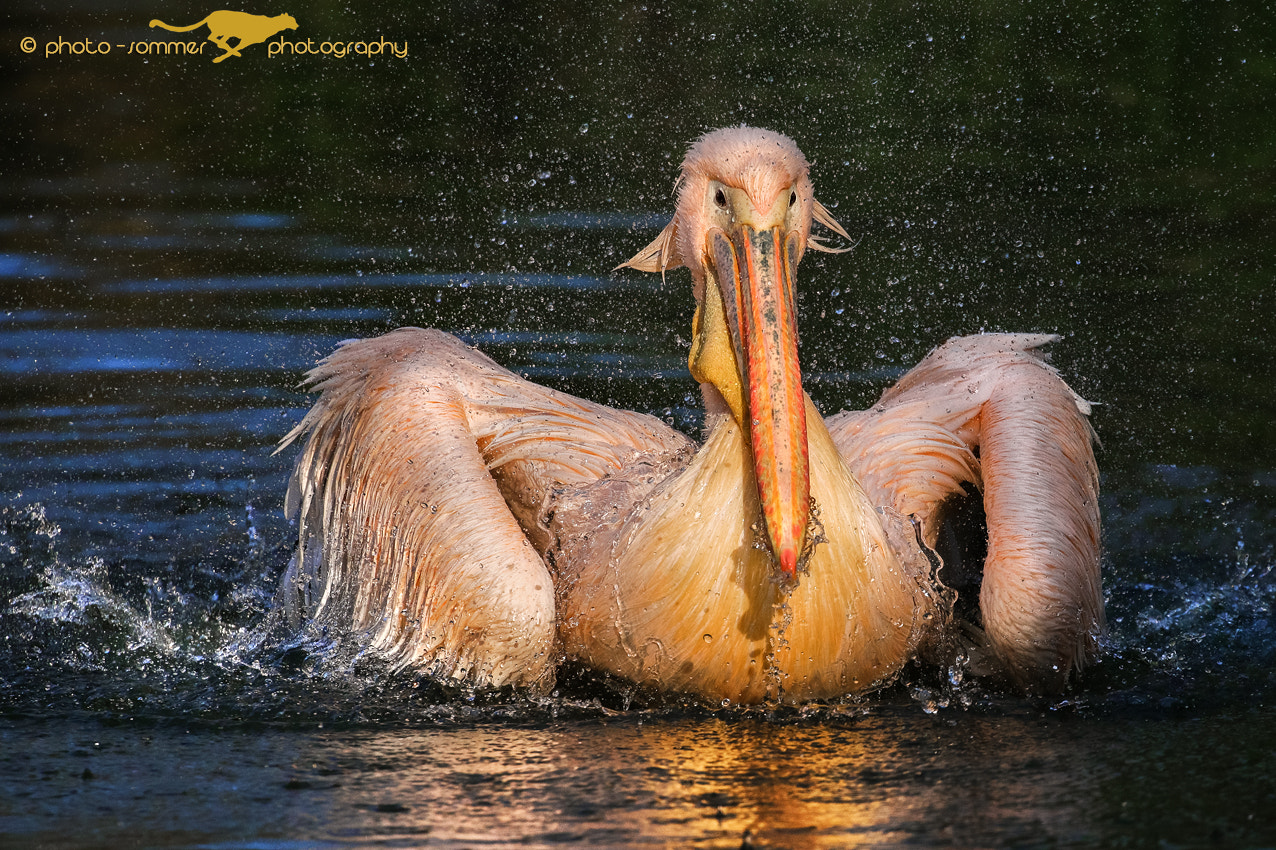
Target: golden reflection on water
[895,776]
[709,783]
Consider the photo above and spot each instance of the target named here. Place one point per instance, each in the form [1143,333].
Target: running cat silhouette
[247,29]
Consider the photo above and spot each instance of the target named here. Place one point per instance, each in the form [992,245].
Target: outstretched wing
[987,411]
[420,494]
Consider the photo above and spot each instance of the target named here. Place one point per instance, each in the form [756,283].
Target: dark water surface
[885,778]
[181,240]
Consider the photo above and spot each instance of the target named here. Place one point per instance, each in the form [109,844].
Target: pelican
[462,521]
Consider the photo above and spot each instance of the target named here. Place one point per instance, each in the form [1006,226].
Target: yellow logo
[232,32]
[245,29]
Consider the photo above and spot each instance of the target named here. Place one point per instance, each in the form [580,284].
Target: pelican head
[742,223]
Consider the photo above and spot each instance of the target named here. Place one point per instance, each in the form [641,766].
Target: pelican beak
[749,294]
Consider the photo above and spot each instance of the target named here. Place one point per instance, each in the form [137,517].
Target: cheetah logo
[246,29]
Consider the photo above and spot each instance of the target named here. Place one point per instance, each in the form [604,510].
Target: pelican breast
[666,580]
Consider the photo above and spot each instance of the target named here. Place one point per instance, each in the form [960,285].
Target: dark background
[180,240]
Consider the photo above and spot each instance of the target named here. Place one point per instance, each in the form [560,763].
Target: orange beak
[755,272]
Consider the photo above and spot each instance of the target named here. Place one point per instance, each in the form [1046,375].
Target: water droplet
[707,638]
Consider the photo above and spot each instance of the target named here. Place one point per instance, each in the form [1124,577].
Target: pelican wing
[420,496]
[988,412]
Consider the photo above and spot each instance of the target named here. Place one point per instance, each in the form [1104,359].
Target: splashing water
[199,639]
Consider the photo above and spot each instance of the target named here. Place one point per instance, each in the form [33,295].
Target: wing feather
[988,412]
[425,463]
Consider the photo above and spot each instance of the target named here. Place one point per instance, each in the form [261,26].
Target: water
[180,241]
[882,779]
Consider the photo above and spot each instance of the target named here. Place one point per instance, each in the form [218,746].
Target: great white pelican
[470,524]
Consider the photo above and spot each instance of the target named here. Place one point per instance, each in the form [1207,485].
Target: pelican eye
[792,198]
[720,198]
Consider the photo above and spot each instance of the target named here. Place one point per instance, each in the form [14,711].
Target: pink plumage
[461,520]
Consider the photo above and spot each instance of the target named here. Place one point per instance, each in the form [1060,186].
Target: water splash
[85,632]
[81,596]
